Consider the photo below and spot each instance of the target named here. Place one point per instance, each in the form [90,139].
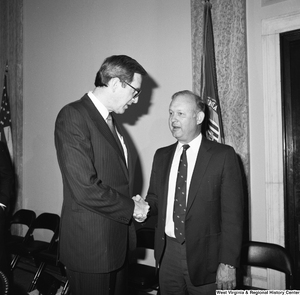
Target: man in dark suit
[96,218]
[6,188]
[201,255]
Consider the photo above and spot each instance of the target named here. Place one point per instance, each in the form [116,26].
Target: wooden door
[290,79]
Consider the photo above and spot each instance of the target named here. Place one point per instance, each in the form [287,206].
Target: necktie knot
[185,147]
[109,121]
[111,125]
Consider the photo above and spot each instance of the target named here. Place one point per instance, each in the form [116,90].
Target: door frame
[274,156]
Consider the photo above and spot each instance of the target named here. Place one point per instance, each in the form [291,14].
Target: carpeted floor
[23,275]
[21,282]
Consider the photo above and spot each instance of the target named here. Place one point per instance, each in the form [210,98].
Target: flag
[5,119]
[208,83]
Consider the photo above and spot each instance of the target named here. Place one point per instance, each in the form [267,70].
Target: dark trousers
[112,283]
[174,277]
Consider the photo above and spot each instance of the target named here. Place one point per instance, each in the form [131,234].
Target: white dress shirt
[191,153]
[104,113]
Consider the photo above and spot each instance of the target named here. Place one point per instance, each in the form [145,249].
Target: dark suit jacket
[6,175]
[214,217]
[97,205]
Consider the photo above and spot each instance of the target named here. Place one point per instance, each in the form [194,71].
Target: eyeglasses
[138,91]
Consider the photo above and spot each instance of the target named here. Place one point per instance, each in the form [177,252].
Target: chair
[4,286]
[24,217]
[268,255]
[49,257]
[46,221]
[143,277]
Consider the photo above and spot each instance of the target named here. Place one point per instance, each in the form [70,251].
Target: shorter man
[198,239]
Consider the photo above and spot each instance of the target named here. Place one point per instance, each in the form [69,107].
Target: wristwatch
[230,266]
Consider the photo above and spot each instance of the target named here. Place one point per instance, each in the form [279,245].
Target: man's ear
[114,82]
[200,117]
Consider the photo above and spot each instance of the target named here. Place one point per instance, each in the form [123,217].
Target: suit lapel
[202,161]
[131,164]
[101,125]
[167,159]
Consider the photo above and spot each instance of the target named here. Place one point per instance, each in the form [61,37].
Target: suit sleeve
[75,156]
[231,210]
[152,194]
[6,175]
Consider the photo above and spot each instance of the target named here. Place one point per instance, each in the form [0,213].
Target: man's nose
[172,118]
[135,100]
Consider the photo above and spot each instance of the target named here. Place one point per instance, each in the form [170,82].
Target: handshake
[141,209]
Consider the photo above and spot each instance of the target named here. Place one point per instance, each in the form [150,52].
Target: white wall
[65,42]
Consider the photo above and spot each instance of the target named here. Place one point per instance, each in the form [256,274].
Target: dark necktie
[180,197]
[111,125]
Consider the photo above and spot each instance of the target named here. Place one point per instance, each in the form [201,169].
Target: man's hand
[141,209]
[226,277]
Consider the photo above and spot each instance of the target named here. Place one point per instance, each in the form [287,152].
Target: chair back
[49,221]
[268,255]
[145,238]
[23,216]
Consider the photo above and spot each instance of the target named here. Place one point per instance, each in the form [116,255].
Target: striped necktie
[111,125]
[180,197]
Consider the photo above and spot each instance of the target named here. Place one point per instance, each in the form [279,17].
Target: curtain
[229,27]
[11,52]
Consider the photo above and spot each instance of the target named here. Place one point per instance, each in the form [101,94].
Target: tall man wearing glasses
[96,218]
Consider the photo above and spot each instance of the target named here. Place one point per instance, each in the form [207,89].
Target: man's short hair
[121,66]
[199,102]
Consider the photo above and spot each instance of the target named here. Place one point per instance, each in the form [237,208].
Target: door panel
[290,74]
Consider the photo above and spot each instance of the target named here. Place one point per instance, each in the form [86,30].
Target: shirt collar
[194,144]
[99,105]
